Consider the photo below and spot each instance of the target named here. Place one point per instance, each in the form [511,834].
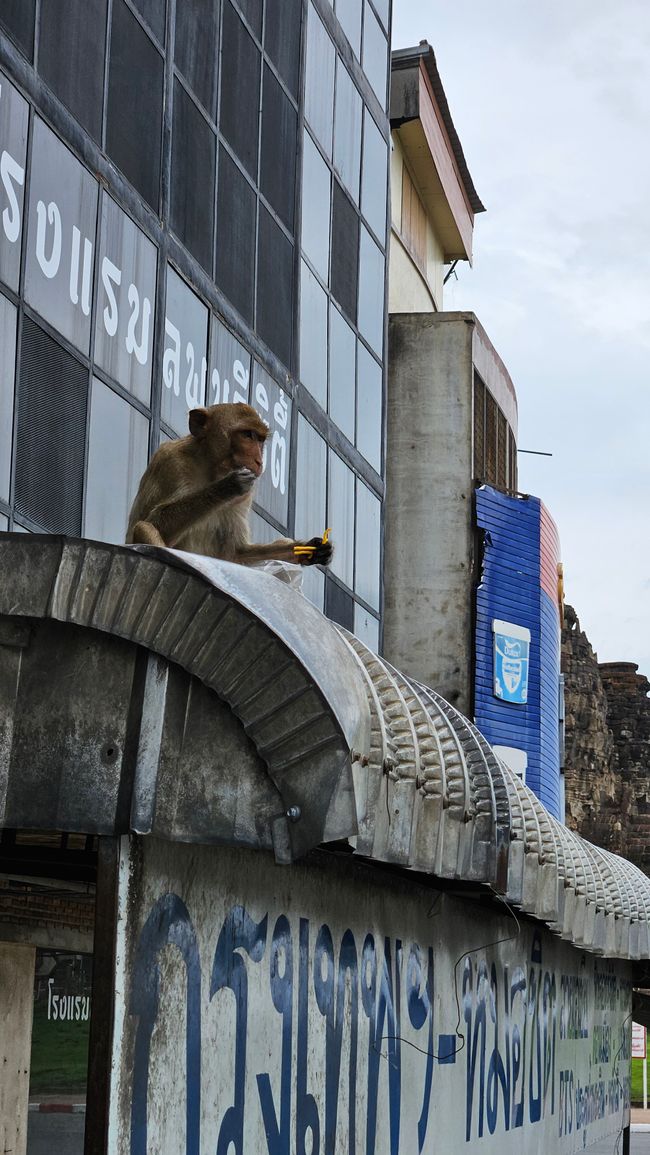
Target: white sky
[551,101]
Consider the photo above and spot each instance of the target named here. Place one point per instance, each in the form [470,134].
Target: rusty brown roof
[408,57]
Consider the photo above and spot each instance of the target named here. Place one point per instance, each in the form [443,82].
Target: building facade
[259,889]
[471,581]
[193,204]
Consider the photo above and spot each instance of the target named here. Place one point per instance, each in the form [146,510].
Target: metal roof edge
[406,58]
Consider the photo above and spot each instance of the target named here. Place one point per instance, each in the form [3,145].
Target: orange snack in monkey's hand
[307,550]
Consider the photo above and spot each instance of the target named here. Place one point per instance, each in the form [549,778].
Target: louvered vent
[512,462]
[479,428]
[502,451]
[51,439]
[490,439]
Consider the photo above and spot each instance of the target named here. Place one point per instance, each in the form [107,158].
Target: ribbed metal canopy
[152,691]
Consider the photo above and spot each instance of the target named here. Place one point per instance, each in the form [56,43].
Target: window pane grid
[198,90]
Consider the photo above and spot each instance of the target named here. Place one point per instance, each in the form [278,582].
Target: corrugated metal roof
[406,58]
[334,743]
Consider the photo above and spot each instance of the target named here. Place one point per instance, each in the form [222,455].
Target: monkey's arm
[169,520]
[320,552]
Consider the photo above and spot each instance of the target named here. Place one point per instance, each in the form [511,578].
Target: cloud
[552,105]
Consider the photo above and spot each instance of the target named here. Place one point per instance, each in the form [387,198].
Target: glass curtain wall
[193,203]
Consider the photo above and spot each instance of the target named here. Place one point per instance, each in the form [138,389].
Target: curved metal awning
[260,648]
[435,798]
[152,691]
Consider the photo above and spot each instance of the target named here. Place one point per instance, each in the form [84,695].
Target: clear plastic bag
[284,571]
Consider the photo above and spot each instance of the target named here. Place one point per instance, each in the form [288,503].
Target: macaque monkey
[196,493]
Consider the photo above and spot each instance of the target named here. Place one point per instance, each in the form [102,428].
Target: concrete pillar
[16,1009]
[428,508]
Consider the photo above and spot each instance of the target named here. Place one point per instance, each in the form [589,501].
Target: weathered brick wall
[628,716]
[29,905]
[592,783]
[607,759]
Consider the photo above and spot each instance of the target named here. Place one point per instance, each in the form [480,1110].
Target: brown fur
[196,493]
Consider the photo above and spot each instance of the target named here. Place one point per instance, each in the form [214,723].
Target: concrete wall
[328,1008]
[428,508]
[16,1007]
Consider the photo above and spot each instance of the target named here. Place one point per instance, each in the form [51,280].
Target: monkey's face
[232,435]
[247,448]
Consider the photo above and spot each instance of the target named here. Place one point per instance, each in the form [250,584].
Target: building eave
[404,58]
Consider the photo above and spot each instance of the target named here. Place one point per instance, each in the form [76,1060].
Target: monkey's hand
[313,552]
[235,484]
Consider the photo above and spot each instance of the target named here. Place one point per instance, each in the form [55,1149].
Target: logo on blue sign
[511,660]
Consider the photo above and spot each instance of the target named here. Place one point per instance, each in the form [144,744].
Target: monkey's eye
[249,433]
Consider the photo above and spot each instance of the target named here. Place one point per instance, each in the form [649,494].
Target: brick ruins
[607,756]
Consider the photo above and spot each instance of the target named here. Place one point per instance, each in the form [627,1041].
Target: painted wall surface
[519,585]
[328,1008]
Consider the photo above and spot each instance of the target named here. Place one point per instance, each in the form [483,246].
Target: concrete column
[16,1009]
[428,508]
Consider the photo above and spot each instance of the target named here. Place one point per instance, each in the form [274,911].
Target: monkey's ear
[198,422]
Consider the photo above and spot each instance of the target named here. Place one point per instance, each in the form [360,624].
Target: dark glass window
[319,81]
[382,7]
[235,270]
[51,435]
[240,89]
[195,49]
[185,359]
[72,44]
[58,280]
[339,606]
[345,252]
[14,119]
[347,131]
[117,457]
[274,287]
[125,301]
[8,315]
[373,177]
[369,407]
[371,292]
[192,183]
[313,335]
[230,366]
[282,39]
[278,162]
[367,546]
[316,198]
[342,373]
[135,104]
[311,488]
[274,407]
[252,11]
[17,16]
[349,17]
[154,12]
[340,515]
[375,54]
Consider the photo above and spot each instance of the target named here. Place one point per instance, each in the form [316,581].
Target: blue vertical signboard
[518,638]
[511,661]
